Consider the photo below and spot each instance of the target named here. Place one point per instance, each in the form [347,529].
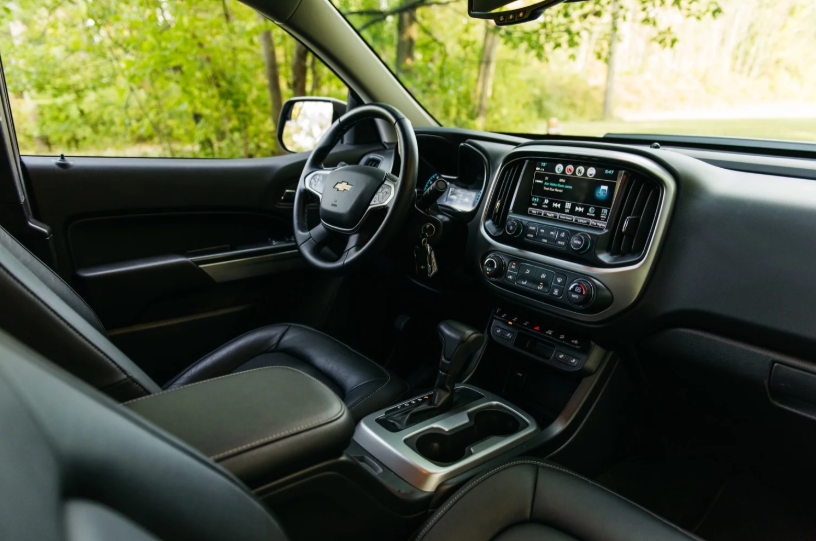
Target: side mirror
[303,121]
[505,12]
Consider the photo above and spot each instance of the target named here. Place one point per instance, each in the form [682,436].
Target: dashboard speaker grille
[503,194]
[640,199]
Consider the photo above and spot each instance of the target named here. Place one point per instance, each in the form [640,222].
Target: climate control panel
[546,284]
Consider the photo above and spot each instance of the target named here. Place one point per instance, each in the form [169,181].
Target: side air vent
[499,204]
[373,161]
[635,220]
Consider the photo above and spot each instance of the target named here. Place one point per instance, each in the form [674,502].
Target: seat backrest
[76,465]
[42,311]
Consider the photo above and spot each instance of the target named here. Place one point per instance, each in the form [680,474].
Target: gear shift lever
[459,342]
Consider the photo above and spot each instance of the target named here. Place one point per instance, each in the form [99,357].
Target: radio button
[530,231]
[551,215]
[582,221]
[566,218]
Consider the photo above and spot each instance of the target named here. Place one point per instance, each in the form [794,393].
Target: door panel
[178,256]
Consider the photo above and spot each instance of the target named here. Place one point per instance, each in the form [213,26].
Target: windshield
[733,68]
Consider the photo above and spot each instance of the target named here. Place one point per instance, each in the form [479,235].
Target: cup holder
[449,447]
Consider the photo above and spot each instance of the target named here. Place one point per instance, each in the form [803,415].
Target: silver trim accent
[390,447]
[237,269]
[625,283]
[369,209]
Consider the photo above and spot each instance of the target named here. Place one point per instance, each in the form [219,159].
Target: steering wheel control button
[580,242]
[382,195]
[580,293]
[317,182]
[513,228]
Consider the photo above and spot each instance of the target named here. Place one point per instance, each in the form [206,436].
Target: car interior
[409,330]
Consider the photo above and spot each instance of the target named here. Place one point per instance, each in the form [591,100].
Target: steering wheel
[350,194]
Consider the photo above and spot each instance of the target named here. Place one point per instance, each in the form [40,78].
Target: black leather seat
[535,500]
[44,312]
[75,465]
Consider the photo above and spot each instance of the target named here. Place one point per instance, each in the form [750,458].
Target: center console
[574,230]
[478,428]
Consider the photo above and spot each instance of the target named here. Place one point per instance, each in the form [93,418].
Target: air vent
[633,224]
[499,204]
[373,161]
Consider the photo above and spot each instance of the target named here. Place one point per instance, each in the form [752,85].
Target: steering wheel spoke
[315,181]
[385,195]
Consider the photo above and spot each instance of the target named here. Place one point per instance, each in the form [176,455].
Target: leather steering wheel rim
[311,241]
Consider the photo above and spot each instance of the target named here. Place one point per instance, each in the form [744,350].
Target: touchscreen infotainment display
[583,191]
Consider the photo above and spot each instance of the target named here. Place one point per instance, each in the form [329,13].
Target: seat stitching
[269,439]
[358,402]
[222,377]
[467,489]
[74,330]
[58,277]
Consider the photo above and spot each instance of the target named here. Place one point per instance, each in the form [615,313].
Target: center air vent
[373,161]
[499,204]
[635,219]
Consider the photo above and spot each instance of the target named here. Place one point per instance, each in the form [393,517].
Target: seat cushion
[364,385]
[532,500]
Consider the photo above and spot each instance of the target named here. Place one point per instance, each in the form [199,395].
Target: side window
[169,78]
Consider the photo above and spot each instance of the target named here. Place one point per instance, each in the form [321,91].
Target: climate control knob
[493,267]
[581,293]
[514,228]
[580,242]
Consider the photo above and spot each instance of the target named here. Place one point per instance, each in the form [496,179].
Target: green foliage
[144,77]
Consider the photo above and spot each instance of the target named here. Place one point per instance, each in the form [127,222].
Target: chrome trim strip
[391,449]
[626,282]
[237,269]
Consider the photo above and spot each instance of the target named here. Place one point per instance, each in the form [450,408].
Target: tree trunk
[609,97]
[315,69]
[406,39]
[299,67]
[272,72]
[487,67]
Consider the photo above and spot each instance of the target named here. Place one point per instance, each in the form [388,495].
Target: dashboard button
[527,271]
[566,218]
[551,215]
[524,282]
[556,291]
[543,275]
[511,277]
[542,287]
[596,223]
[582,221]
[530,231]
[512,266]
[563,238]
[558,280]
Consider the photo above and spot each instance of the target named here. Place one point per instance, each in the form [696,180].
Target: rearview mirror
[512,12]
[304,120]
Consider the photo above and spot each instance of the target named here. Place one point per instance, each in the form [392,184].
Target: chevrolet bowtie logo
[343,186]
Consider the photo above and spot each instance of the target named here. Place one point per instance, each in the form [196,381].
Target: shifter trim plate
[392,449]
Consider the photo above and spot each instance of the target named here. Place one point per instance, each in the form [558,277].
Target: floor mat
[746,510]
